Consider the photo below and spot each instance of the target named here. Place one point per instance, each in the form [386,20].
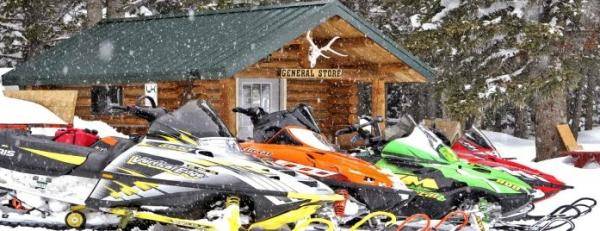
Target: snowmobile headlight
[448,154]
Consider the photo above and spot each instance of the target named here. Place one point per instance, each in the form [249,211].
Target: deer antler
[315,52]
[328,47]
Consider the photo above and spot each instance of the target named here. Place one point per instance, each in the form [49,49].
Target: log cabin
[319,53]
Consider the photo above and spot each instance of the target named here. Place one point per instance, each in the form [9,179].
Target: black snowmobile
[180,173]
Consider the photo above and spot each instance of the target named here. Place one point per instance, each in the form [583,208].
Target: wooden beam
[400,72]
[229,102]
[378,98]
[278,64]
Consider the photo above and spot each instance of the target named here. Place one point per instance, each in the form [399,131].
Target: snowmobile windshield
[419,137]
[310,138]
[399,128]
[475,135]
[267,126]
[195,118]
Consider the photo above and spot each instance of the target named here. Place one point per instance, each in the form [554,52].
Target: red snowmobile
[476,148]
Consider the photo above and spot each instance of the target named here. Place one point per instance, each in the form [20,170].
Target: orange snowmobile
[293,140]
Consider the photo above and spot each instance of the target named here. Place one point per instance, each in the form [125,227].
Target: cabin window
[256,92]
[103,97]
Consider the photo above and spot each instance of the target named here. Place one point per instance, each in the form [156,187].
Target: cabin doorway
[265,93]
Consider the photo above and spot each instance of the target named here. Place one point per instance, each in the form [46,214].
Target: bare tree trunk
[576,111]
[590,101]
[114,8]
[33,28]
[520,126]
[498,119]
[433,102]
[94,12]
[550,110]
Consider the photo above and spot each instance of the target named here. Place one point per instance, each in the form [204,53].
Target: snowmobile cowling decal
[66,158]
[165,166]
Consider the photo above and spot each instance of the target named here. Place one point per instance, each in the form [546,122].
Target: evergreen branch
[11,27]
[12,56]
[134,5]
[11,19]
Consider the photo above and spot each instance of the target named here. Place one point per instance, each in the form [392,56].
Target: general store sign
[311,73]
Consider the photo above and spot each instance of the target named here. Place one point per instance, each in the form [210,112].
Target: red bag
[80,137]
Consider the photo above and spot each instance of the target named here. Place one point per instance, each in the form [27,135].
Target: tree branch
[12,56]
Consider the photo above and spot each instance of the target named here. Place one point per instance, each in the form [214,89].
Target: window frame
[108,91]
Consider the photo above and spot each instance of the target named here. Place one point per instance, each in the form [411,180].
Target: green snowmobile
[442,181]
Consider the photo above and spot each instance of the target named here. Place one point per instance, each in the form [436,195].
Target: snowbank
[16,111]
[583,179]
[512,147]
[590,140]
[103,129]
[524,149]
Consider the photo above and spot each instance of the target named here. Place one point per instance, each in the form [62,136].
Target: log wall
[171,95]
[334,103]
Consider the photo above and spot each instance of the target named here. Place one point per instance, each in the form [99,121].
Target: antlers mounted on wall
[315,51]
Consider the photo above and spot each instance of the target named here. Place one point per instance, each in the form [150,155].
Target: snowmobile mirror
[365,126]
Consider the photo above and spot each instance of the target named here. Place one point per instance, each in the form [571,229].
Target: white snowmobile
[166,177]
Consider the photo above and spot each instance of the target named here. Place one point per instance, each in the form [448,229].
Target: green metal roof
[208,45]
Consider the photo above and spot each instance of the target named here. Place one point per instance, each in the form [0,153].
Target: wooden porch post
[229,102]
[378,101]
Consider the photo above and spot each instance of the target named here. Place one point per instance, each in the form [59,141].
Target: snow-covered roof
[4,70]
[213,44]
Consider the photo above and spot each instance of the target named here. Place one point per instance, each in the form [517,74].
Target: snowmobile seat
[30,154]
[114,144]
[107,149]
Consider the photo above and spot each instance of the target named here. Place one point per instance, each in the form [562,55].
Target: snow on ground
[103,129]
[590,140]
[585,180]
[19,111]
[512,147]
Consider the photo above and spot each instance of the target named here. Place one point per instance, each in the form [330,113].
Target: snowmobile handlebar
[255,113]
[148,113]
[357,127]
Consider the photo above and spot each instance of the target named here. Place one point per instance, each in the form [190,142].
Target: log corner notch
[378,100]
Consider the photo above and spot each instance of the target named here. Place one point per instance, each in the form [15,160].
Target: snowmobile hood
[319,163]
[226,152]
[476,148]
[422,147]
